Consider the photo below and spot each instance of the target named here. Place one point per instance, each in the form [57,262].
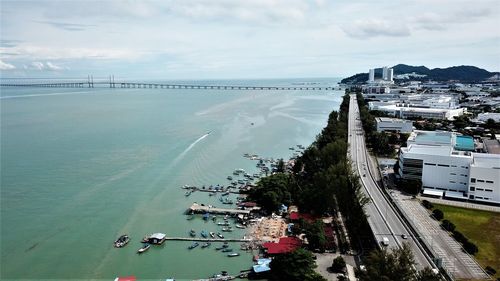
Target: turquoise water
[80,167]
[464,143]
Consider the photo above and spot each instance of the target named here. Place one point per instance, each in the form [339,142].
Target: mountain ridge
[461,73]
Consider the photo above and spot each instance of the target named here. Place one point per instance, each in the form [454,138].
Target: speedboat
[233,254]
[144,248]
[220,235]
[194,245]
[212,234]
[188,193]
[240,226]
[122,241]
[223,223]
[204,234]
[230,178]
[227,229]
[227,250]
[206,245]
[192,233]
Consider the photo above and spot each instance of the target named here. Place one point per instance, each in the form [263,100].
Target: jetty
[214,191]
[208,239]
[197,208]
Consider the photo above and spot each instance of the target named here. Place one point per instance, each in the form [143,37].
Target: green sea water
[79,167]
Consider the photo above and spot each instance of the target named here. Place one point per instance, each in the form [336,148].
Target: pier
[197,208]
[208,239]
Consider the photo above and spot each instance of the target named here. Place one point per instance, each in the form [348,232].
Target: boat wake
[43,95]
[178,158]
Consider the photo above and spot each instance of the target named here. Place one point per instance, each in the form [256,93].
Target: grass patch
[482,228]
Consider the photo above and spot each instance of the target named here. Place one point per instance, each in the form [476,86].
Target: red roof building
[285,245]
[296,216]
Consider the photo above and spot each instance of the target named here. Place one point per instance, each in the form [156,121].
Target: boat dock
[197,208]
[194,188]
[208,239]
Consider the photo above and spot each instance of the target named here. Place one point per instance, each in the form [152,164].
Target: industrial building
[447,167]
[385,124]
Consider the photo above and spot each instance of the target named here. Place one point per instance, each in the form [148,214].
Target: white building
[393,125]
[371,76]
[406,111]
[484,174]
[443,161]
[483,117]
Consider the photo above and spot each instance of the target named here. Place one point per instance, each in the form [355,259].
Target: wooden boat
[122,241]
[144,248]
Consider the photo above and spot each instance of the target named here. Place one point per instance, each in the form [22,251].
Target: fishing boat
[219,248]
[227,229]
[206,216]
[239,226]
[204,234]
[230,178]
[194,245]
[220,235]
[225,193]
[188,193]
[190,217]
[227,250]
[223,223]
[192,233]
[206,245]
[122,241]
[233,254]
[212,234]
[144,248]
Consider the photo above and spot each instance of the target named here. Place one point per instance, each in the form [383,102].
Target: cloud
[362,29]
[67,26]
[56,53]
[6,66]
[47,66]
[9,43]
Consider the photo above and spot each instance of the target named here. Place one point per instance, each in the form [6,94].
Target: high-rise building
[384,73]
[371,77]
[390,75]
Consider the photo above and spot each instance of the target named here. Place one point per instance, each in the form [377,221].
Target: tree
[338,264]
[385,265]
[316,237]
[448,225]
[427,274]
[295,266]
[438,214]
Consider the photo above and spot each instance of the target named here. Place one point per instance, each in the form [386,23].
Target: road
[383,219]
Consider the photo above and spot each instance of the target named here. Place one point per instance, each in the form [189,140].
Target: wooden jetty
[208,239]
[227,189]
[197,208]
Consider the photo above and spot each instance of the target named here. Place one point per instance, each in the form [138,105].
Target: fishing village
[264,235]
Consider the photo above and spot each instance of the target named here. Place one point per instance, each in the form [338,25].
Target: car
[404,236]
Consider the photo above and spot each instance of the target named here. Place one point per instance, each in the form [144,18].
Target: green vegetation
[295,266]
[338,264]
[482,228]
[397,264]
[381,143]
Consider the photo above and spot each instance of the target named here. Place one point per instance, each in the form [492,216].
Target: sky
[233,39]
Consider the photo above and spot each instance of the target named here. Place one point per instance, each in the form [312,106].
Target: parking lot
[456,261]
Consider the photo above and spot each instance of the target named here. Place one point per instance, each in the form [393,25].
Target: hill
[463,73]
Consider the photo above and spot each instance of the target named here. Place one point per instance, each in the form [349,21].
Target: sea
[81,166]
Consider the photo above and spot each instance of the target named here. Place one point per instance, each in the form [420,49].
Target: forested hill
[463,73]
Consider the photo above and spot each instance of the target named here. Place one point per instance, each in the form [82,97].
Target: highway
[383,219]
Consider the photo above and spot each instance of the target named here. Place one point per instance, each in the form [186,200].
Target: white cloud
[55,53]
[6,66]
[53,67]
[374,28]
[47,66]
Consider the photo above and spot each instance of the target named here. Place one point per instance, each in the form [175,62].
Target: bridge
[89,83]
